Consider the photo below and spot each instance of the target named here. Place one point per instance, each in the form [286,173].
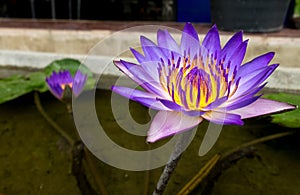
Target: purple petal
[255,64]
[140,58]
[145,98]
[190,31]
[189,39]
[154,55]
[166,123]
[216,103]
[134,72]
[223,118]
[151,50]
[212,40]
[64,77]
[165,40]
[55,89]
[139,75]
[235,60]
[262,107]
[151,68]
[170,104]
[254,79]
[243,100]
[56,80]
[79,82]
[232,44]
[126,69]
[193,112]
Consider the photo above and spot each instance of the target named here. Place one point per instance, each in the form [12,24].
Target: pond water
[34,159]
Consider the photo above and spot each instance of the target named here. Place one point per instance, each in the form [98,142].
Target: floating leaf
[17,85]
[289,119]
[37,81]
[71,65]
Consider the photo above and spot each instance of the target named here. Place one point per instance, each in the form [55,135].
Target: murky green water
[34,158]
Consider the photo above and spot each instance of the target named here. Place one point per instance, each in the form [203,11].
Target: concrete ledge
[82,41]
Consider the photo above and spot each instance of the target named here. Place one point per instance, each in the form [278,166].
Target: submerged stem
[92,168]
[172,163]
[58,129]
[79,152]
[257,141]
[89,165]
[147,172]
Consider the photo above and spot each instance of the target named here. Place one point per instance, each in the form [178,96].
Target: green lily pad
[17,85]
[289,119]
[67,64]
[37,81]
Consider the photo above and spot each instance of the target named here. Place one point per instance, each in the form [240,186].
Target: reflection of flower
[60,82]
[191,82]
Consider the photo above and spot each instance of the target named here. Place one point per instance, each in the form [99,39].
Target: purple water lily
[191,81]
[59,82]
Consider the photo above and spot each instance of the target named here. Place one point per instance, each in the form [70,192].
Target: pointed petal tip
[214,28]
[188,25]
[289,107]
[189,30]
[223,118]
[272,54]
[212,40]
[263,106]
[294,106]
[151,139]
[240,123]
[146,42]
[117,62]
[273,66]
[240,33]
[162,31]
[112,87]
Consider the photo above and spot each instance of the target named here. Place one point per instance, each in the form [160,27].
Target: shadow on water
[34,159]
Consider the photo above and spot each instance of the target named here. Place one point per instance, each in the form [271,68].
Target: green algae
[35,160]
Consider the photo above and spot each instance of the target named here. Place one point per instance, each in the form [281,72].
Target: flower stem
[79,152]
[147,173]
[92,168]
[172,163]
[89,165]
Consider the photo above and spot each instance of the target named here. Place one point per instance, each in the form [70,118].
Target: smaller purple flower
[60,82]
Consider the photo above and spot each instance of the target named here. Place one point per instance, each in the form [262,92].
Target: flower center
[196,83]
